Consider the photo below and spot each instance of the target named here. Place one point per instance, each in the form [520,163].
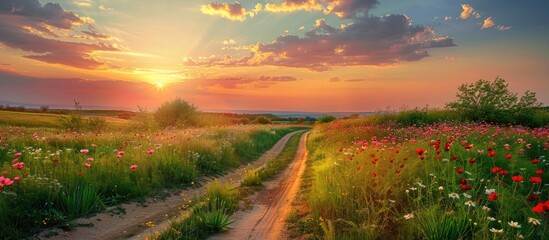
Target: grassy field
[50,176]
[440,181]
[213,212]
[50,120]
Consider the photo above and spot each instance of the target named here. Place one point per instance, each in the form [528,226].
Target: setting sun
[160,86]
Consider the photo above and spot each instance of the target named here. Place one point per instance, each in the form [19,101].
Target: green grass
[368,182]
[23,119]
[57,184]
[212,213]
[51,120]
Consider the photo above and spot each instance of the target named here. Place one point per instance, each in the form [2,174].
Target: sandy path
[131,225]
[266,220]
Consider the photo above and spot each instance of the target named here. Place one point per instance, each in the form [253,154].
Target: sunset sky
[286,55]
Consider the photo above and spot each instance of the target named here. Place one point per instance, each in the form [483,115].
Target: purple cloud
[25,23]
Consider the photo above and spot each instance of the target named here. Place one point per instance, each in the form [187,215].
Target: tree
[492,102]
[176,112]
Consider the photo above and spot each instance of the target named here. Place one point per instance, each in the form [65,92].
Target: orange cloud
[294,5]
[468,11]
[233,11]
[488,23]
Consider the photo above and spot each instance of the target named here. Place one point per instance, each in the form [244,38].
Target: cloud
[239,82]
[233,11]
[488,23]
[349,8]
[503,28]
[335,79]
[103,8]
[25,23]
[294,5]
[369,40]
[340,8]
[468,11]
[229,42]
[82,3]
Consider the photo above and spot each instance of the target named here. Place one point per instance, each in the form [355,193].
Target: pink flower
[150,151]
[84,151]
[16,179]
[17,154]
[133,167]
[87,165]
[19,165]
[90,159]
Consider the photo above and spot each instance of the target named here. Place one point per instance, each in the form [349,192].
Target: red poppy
[535,180]
[493,196]
[491,154]
[508,156]
[460,171]
[496,169]
[535,161]
[420,151]
[463,181]
[503,172]
[454,157]
[517,178]
[472,160]
[539,172]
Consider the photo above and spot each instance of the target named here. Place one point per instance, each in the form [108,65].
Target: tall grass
[372,181]
[67,175]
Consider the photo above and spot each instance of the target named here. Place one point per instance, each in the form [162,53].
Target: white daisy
[470,203]
[514,224]
[453,195]
[534,221]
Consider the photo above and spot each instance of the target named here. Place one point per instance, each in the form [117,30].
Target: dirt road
[133,224]
[266,219]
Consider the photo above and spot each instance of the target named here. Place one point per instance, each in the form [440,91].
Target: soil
[271,206]
[137,220]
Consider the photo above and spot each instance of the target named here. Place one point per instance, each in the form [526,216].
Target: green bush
[326,119]
[262,120]
[176,113]
[485,101]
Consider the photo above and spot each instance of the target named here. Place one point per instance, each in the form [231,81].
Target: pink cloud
[24,25]
[369,40]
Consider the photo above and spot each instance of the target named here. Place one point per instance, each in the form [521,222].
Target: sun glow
[160,86]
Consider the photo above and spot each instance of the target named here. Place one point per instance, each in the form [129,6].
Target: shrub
[176,112]
[73,121]
[262,120]
[326,119]
[143,120]
[96,124]
[251,178]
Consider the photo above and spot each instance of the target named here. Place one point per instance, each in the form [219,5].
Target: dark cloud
[369,40]
[51,14]
[25,23]
[349,8]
